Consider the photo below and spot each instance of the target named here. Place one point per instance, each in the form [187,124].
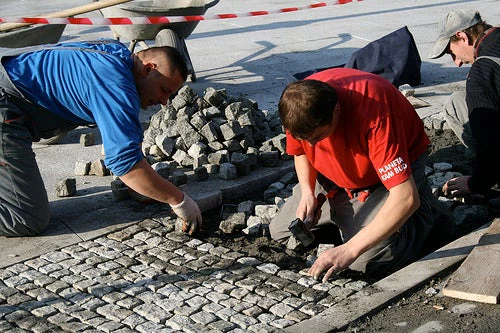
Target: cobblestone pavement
[149,278]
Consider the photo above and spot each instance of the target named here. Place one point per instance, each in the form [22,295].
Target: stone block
[165,144]
[197,149]
[269,159]
[87,139]
[230,130]
[82,168]
[162,168]
[219,157]
[98,168]
[209,132]
[227,171]
[201,173]
[217,98]
[240,161]
[66,187]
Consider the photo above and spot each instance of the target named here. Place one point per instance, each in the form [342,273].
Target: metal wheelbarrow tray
[32,35]
[148,8]
[171,34]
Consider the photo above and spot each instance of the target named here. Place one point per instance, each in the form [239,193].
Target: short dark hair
[473,32]
[305,105]
[173,57]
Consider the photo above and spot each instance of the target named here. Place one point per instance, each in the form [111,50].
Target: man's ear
[462,35]
[148,67]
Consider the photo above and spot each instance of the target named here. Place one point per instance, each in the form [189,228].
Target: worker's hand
[190,213]
[305,210]
[333,261]
[457,187]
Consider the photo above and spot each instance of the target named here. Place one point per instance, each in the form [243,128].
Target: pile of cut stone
[214,134]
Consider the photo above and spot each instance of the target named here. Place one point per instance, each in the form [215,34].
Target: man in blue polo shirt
[45,90]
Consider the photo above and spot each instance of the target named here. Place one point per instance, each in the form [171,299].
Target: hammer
[300,229]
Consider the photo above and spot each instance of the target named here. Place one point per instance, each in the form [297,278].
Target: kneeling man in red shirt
[357,139]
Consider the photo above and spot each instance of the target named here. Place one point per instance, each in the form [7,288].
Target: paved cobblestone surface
[148,278]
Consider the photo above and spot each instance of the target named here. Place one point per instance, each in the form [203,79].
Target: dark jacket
[483,103]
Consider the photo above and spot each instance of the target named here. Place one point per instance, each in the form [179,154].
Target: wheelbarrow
[170,34]
[34,35]
[13,35]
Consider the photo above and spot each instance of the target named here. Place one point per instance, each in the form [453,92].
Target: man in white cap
[474,115]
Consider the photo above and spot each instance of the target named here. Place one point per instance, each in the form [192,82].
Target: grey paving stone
[178,322]
[59,318]
[239,293]
[84,315]
[295,289]
[113,312]
[15,281]
[45,327]
[93,304]
[74,326]
[340,293]
[242,320]
[44,311]
[43,295]
[264,289]
[7,291]
[153,313]
[27,322]
[311,295]
[281,323]
[129,302]
[249,284]
[66,264]
[280,309]
[110,326]
[204,317]
[18,299]
[31,305]
[216,297]
[225,313]
[212,307]
[185,310]
[36,263]
[148,327]
[134,320]
[57,286]
[17,268]
[224,288]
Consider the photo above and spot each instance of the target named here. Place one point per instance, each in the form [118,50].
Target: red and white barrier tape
[159,19]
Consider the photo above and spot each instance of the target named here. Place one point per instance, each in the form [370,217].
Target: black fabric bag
[394,57]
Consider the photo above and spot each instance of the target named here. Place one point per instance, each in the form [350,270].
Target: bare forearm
[144,180]
[401,203]
[306,174]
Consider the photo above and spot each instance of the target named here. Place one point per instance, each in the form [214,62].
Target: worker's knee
[278,232]
[14,224]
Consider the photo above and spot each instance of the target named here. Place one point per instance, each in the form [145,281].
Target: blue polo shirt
[87,82]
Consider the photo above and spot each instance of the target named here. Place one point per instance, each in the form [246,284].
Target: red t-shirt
[378,135]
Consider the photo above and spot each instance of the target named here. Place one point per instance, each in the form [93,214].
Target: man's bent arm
[307,181]
[402,202]
[144,180]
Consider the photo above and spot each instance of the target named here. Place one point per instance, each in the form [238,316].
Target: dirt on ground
[423,310]
[445,148]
